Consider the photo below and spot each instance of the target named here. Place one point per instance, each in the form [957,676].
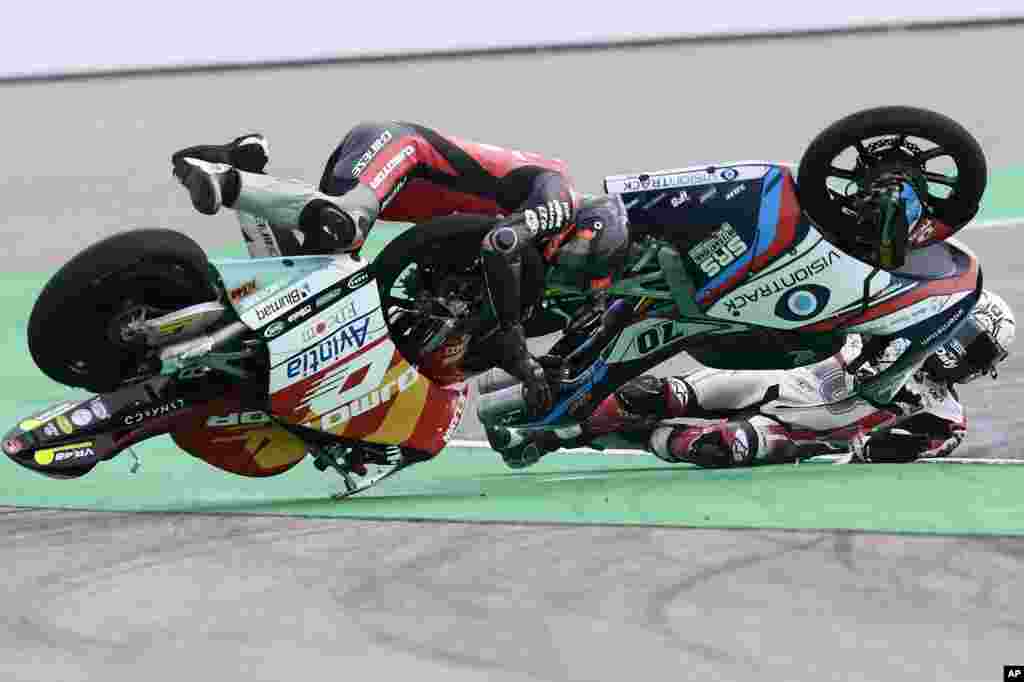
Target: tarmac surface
[121,596]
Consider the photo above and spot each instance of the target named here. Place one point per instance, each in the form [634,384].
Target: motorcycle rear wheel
[72,330]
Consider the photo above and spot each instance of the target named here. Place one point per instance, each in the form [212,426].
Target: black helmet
[982,342]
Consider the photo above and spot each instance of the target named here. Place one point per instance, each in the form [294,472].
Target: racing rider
[774,416]
[407,172]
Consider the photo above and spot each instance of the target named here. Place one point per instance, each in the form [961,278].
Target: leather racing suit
[401,171]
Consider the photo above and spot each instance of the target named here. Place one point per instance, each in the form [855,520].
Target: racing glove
[518,361]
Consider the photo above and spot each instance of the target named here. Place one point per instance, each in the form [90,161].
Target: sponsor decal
[357,280]
[51,430]
[542,214]
[300,313]
[274,329]
[944,328]
[735,192]
[64,452]
[646,182]
[266,235]
[12,446]
[729,173]
[707,195]
[64,425]
[351,337]
[949,354]
[99,409]
[407,152]
[680,199]
[802,303]
[387,200]
[150,413]
[327,298]
[558,216]
[375,398]
[81,417]
[360,165]
[719,250]
[344,314]
[291,297]
[249,418]
[242,290]
[783,283]
[37,421]
[532,221]
[453,425]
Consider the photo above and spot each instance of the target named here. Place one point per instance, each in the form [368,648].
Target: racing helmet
[596,249]
[981,343]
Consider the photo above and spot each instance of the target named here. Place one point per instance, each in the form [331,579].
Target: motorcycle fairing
[338,371]
[912,297]
[71,437]
[232,437]
[728,221]
[262,290]
[815,281]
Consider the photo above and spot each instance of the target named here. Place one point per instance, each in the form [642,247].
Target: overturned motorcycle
[252,365]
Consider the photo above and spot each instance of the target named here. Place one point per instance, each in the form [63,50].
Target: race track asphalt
[154,596]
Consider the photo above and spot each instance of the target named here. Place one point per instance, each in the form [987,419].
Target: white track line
[484,445]
[988,224]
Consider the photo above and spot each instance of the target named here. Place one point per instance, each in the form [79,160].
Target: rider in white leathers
[773,416]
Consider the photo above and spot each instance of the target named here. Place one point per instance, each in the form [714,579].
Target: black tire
[955,210]
[444,243]
[69,328]
[450,241]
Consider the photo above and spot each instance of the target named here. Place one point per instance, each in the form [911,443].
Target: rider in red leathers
[406,172]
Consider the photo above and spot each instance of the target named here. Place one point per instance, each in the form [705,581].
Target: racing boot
[757,440]
[249,153]
[209,172]
[210,185]
[720,445]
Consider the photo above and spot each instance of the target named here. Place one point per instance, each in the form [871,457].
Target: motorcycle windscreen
[337,370]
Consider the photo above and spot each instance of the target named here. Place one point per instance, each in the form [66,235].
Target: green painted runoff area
[471,484]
